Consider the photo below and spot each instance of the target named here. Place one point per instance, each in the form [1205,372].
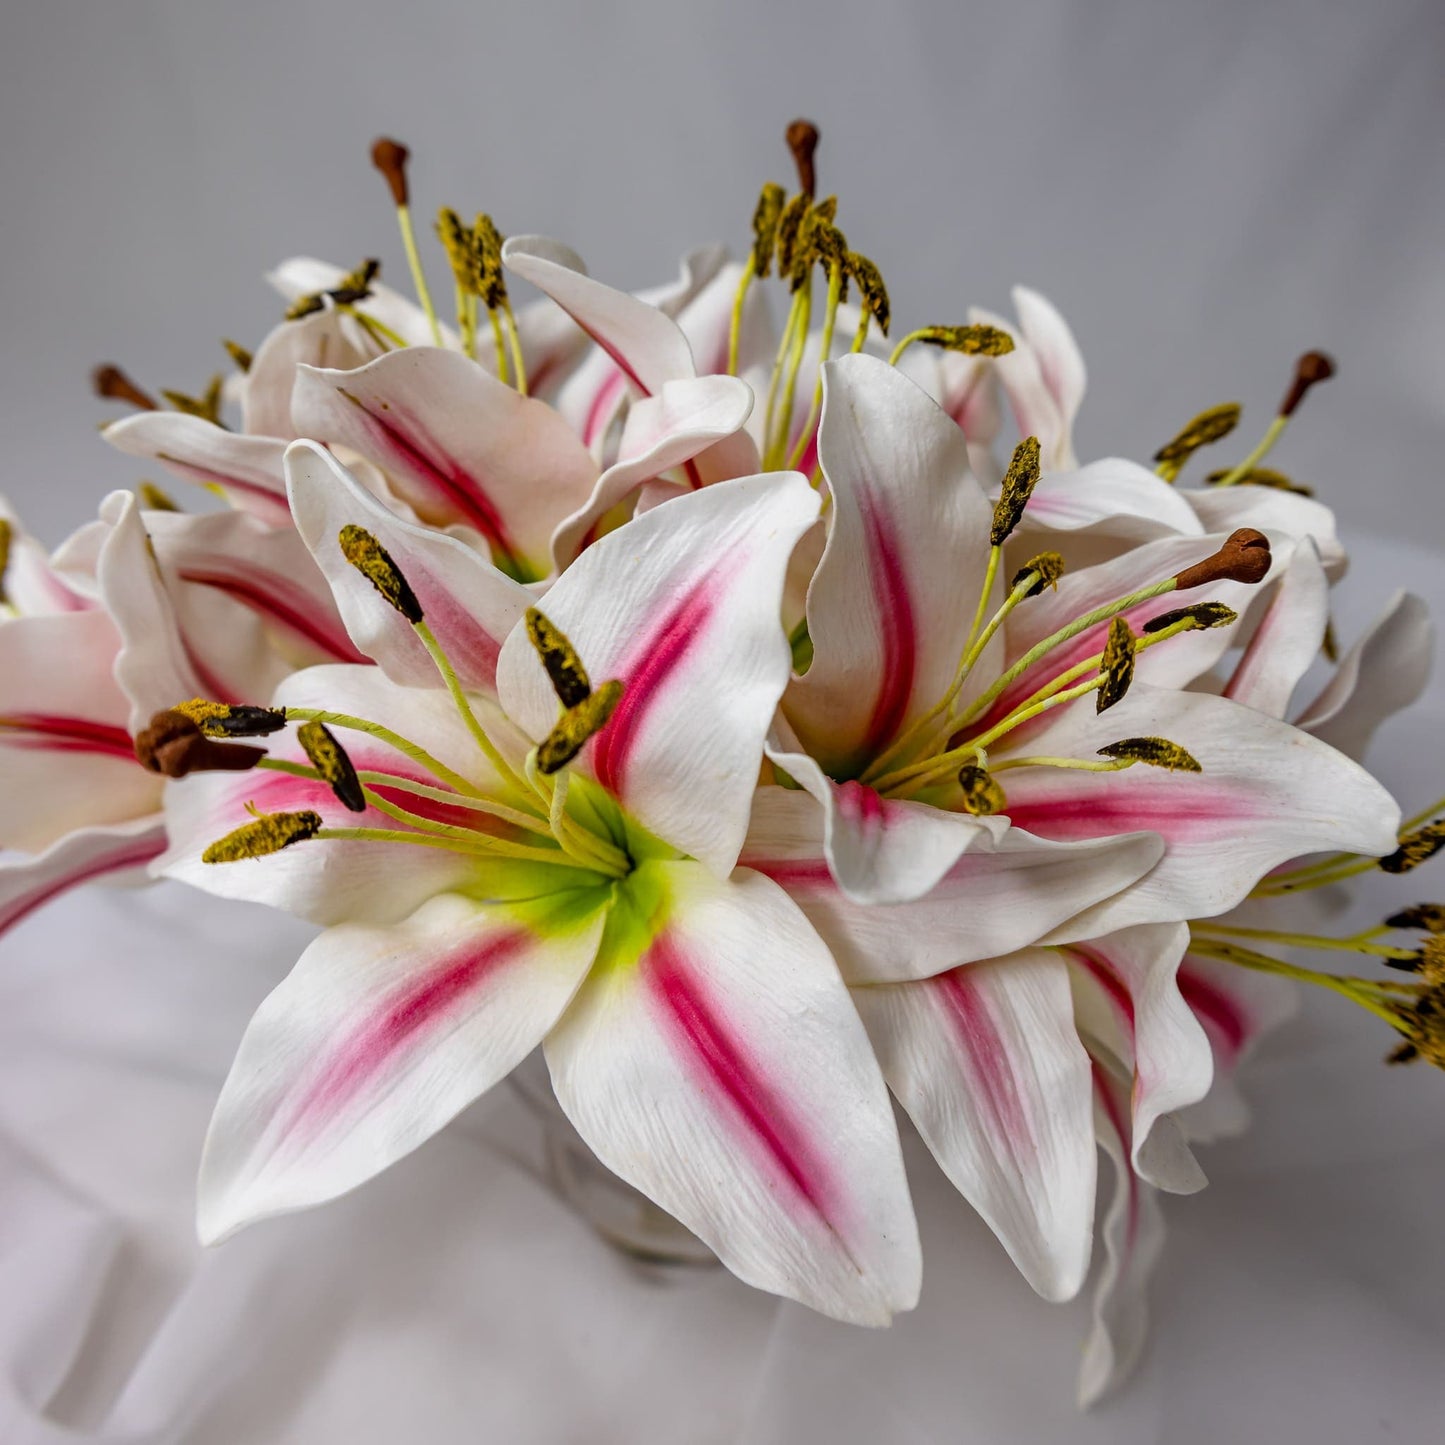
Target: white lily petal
[1035,407]
[725,1074]
[325,338]
[682,606]
[1385,671]
[1052,342]
[1288,637]
[993,900]
[467,602]
[890,604]
[375,1040]
[986,1061]
[1110,502]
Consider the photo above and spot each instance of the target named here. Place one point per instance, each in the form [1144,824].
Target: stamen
[390,158]
[564,667]
[1117,666]
[802,138]
[873,295]
[1204,430]
[1415,848]
[232,720]
[982,795]
[333,766]
[832,246]
[576,726]
[1154,752]
[1311,369]
[173,745]
[1018,486]
[766,215]
[374,563]
[1428,916]
[112,384]
[465,262]
[238,354]
[976,340]
[404,746]
[268,833]
[207,406]
[1198,616]
[790,222]
[1261,477]
[153,499]
[1040,572]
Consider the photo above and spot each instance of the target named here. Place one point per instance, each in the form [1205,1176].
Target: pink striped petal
[1266,793]
[995,898]
[891,601]
[1133,1236]
[1384,672]
[1129,1008]
[468,603]
[682,605]
[643,342]
[331,880]
[1288,636]
[457,445]
[65,749]
[116,852]
[33,583]
[246,470]
[662,432]
[720,1069]
[1236,1008]
[377,1039]
[987,1064]
[325,338]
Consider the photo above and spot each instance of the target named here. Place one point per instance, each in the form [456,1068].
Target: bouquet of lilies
[761,719]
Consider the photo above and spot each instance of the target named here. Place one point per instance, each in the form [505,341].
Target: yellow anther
[7,532]
[353,287]
[238,354]
[1262,477]
[232,720]
[871,290]
[1204,430]
[982,795]
[489,240]
[267,833]
[1048,565]
[1018,486]
[766,216]
[1198,618]
[1429,916]
[1116,666]
[329,759]
[1155,752]
[790,222]
[207,406]
[1415,848]
[153,499]
[576,726]
[559,657]
[970,340]
[374,563]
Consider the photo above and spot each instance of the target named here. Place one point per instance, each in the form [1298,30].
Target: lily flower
[544,853]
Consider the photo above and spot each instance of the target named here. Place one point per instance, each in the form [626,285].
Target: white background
[1204,189]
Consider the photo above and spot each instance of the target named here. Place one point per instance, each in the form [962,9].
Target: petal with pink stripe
[986,1061]
[682,605]
[379,1037]
[458,446]
[716,1064]
[468,603]
[1288,637]
[890,604]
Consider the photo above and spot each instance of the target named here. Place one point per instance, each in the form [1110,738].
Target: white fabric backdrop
[1205,190]
[453,1299]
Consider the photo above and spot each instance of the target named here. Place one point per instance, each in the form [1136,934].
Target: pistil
[390,158]
[1311,369]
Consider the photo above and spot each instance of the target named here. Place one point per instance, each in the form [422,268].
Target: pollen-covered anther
[802,139]
[329,759]
[1116,666]
[207,406]
[979,340]
[1311,369]
[112,384]
[1244,557]
[1203,430]
[1415,848]
[982,795]
[559,657]
[1262,477]
[154,498]
[1018,486]
[576,726]
[1048,567]
[766,215]
[1427,916]
[1422,1022]
[174,745]
[374,563]
[1198,617]
[356,285]
[1153,752]
[790,223]
[267,833]
[390,158]
[238,354]
[232,720]
[871,290]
